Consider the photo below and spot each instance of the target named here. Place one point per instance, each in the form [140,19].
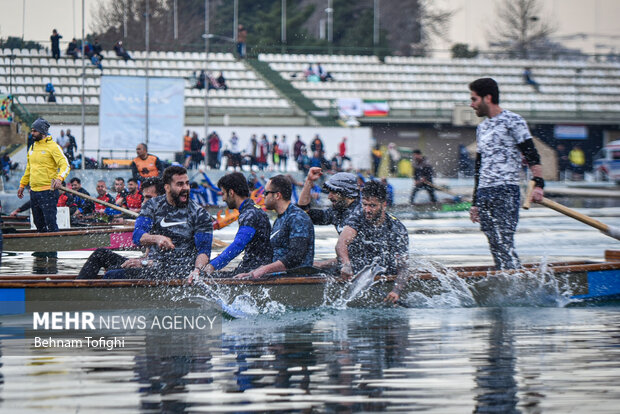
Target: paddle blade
[363,280]
[613,231]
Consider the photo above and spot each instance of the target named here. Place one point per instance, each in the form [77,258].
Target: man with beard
[121,192]
[46,168]
[254,229]
[375,235]
[102,194]
[343,191]
[292,234]
[133,197]
[177,231]
[106,258]
[501,140]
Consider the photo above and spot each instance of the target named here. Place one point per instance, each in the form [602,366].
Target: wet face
[132,187]
[480,105]
[178,190]
[101,188]
[148,193]
[373,209]
[141,151]
[228,197]
[339,202]
[75,185]
[119,185]
[271,196]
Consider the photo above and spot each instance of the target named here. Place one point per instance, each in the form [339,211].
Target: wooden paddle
[446,190]
[216,242]
[95,200]
[611,231]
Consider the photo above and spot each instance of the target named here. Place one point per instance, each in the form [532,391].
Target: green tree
[461,50]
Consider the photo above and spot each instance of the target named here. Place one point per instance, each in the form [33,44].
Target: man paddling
[106,258]
[376,235]
[292,234]
[343,192]
[501,141]
[46,168]
[254,229]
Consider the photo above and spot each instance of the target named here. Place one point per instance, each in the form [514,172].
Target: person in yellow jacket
[46,168]
[577,160]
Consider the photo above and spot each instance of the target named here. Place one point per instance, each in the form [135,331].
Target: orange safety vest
[150,164]
[187,143]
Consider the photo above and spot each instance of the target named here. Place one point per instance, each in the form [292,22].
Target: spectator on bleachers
[212,82]
[200,80]
[70,154]
[221,81]
[394,155]
[303,161]
[376,159]
[297,147]
[527,77]
[563,163]
[242,35]
[120,51]
[263,152]
[55,39]
[323,75]
[577,162]
[95,59]
[49,89]
[196,150]
[187,149]
[72,49]
[234,157]
[275,152]
[317,145]
[311,75]
[284,152]
[98,50]
[342,152]
[250,154]
[63,141]
[215,144]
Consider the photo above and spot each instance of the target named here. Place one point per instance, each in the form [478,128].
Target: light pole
[83,165]
[146,95]
[330,25]
[375,26]
[11,59]
[283,24]
[206,109]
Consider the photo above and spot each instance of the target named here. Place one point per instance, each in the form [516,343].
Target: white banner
[349,107]
[122,113]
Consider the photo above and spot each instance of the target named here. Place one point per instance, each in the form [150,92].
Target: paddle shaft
[528,195]
[103,203]
[575,214]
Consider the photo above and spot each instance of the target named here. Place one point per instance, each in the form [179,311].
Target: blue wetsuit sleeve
[143,225]
[203,241]
[242,238]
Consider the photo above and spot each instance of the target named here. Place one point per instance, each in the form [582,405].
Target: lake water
[444,355]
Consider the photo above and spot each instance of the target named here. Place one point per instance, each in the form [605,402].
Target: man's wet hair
[76,180]
[282,184]
[154,181]
[484,87]
[132,180]
[172,171]
[236,182]
[119,179]
[374,189]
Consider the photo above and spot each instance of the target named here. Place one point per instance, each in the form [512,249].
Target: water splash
[528,287]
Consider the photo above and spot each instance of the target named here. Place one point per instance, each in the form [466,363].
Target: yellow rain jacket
[46,162]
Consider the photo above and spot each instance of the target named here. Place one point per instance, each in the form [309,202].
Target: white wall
[359,140]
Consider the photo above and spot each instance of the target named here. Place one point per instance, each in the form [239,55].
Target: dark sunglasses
[266,193]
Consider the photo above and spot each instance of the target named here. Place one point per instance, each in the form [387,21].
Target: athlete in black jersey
[254,229]
[375,236]
[176,229]
[344,194]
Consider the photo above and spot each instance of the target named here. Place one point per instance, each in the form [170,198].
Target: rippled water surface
[520,352]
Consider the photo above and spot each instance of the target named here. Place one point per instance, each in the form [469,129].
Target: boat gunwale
[63,281]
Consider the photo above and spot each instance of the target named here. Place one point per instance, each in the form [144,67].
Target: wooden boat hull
[70,239]
[577,280]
